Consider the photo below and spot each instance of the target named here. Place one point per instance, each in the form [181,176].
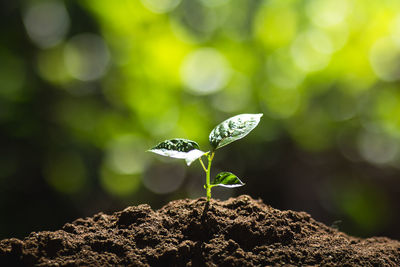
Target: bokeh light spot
[160,6]
[51,65]
[201,20]
[320,41]
[205,71]
[327,13]
[121,185]
[127,155]
[164,178]
[305,51]
[47,22]
[385,58]
[377,148]
[86,57]
[395,29]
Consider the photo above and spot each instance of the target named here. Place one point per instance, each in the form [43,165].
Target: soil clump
[237,232]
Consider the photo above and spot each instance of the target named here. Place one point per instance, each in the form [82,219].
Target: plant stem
[208,172]
[202,164]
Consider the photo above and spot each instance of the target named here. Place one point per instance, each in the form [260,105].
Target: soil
[237,232]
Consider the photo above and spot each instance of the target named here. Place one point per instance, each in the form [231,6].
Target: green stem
[208,172]
[202,165]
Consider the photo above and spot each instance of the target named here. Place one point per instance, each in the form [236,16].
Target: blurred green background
[87,86]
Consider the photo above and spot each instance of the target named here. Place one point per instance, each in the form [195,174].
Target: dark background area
[86,87]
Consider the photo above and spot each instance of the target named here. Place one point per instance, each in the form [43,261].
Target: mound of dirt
[237,232]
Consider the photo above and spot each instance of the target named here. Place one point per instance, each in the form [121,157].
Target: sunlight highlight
[47,23]
[205,71]
[86,57]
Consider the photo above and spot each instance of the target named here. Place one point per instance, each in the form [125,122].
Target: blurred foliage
[86,86]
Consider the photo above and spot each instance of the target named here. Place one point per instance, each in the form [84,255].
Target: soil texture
[237,232]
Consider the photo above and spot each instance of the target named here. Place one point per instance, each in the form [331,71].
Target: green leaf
[227,179]
[179,148]
[233,129]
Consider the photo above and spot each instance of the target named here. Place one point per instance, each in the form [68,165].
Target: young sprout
[223,134]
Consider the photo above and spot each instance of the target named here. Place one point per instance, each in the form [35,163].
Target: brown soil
[237,232]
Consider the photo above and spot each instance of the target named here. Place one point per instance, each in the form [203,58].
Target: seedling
[223,134]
